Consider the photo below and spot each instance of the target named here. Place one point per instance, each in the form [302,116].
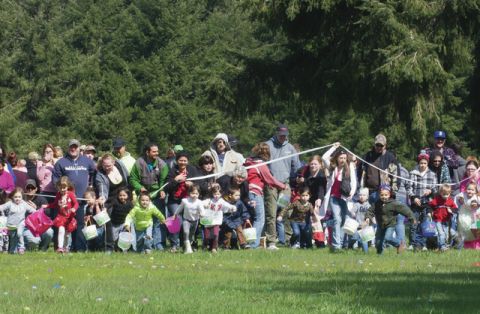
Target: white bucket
[250,234]
[367,234]
[90,232]
[350,226]
[102,218]
[125,240]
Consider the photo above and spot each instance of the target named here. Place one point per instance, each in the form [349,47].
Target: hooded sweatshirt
[259,176]
[283,169]
[226,162]
[386,213]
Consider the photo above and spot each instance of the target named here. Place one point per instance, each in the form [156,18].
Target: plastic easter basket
[250,234]
[428,228]
[101,218]
[350,226]
[367,234]
[90,232]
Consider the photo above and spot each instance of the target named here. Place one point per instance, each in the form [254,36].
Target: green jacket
[137,178]
[386,213]
[143,217]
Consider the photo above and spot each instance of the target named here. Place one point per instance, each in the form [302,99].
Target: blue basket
[428,228]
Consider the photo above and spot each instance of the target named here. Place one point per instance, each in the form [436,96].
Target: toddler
[191,208]
[442,206]
[236,220]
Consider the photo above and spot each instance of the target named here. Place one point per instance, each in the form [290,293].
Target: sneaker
[410,247]
[424,249]
[21,251]
[214,251]
[296,246]
[173,250]
[148,251]
[246,247]
[60,251]
[272,247]
[401,248]
[444,249]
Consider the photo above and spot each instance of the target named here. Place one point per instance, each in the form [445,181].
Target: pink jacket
[44,175]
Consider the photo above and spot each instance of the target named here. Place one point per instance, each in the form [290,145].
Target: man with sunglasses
[449,156]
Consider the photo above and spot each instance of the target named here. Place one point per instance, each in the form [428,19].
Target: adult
[111,177]
[224,157]
[449,155]
[237,179]
[177,188]
[18,169]
[341,186]
[420,189]
[383,159]
[6,179]
[32,242]
[472,175]
[90,152]
[314,176]
[205,167]
[282,171]
[148,175]
[45,168]
[171,153]
[439,167]
[120,152]
[80,170]
[259,176]
[7,167]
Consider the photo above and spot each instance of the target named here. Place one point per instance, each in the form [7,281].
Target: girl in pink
[66,205]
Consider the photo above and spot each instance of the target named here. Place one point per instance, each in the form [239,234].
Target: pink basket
[38,222]
[173,224]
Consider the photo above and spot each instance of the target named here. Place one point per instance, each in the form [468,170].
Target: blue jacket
[80,172]
[237,218]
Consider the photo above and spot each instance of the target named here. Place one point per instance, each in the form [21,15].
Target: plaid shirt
[421,183]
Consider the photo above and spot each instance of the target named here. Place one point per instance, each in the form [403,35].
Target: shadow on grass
[386,292]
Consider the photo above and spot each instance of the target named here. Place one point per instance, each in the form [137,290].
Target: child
[468,203]
[442,206]
[15,211]
[3,230]
[91,208]
[235,221]
[385,211]
[191,208]
[142,217]
[420,190]
[66,205]
[121,206]
[220,206]
[300,219]
[359,209]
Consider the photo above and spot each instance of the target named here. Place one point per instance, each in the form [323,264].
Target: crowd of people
[286,202]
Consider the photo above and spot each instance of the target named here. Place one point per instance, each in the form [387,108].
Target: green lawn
[293,281]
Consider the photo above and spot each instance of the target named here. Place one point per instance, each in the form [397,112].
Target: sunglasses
[379,145]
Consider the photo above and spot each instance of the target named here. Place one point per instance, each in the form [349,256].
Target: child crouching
[385,211]
[142,217]
[235,221]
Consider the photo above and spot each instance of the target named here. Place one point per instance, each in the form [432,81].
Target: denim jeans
[416,237]
[42,242]
[144,239]
[281,232]
[356,238]
[339,213]
[174,237]
[79,243]
[159,230]
[300,232]
[383,236]
[259,220]
[442,233]
[400,228]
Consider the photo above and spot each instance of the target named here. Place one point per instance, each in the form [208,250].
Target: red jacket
[66,209]
[440,211]
[259,176]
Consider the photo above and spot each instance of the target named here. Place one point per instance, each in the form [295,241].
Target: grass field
[291,281]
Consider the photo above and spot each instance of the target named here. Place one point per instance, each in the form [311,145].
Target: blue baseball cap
[440,134]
